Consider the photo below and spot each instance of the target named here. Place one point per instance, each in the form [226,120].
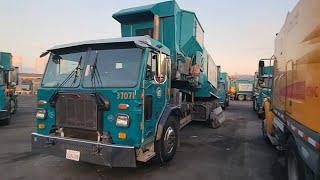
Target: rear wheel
[166,147]
[241,97]
[248,98]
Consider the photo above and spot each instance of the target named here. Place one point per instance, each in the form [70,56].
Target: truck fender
[167,112]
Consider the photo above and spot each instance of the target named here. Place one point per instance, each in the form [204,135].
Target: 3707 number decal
[126,95]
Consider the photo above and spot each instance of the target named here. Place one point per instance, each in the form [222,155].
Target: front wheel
[166,147]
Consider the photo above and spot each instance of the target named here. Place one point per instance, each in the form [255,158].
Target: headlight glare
[123,120]
[41,113]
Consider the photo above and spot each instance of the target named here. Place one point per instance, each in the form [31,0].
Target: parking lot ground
[236,150]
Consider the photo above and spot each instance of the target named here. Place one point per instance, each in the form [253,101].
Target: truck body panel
[297,67]
[294,115]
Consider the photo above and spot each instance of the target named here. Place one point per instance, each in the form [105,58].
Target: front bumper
[90,151]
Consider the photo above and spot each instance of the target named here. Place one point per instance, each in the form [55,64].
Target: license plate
[73,155]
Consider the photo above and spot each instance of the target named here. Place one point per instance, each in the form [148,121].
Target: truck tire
[6,122]
[241,97]
[166,146]
[261,115]
[254,105]
[248,98]
[297,169]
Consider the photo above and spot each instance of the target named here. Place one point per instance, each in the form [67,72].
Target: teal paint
[5,65]
[177,31]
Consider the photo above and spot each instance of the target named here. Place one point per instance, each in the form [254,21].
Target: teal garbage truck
[244,89]
[223,88]
[8,82]
[116,102]
[263,85]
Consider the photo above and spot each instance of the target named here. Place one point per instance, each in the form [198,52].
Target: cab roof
[140,41]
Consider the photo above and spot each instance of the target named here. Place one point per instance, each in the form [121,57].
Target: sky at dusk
[237,32]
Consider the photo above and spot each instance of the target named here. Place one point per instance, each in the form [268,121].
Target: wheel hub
[169,140]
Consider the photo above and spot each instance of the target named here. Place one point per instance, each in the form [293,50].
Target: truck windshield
[58,70]
[114,68]
[99,68]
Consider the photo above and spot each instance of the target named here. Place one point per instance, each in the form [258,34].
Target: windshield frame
[143,58]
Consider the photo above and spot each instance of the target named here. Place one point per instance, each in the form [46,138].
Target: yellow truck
[292,120]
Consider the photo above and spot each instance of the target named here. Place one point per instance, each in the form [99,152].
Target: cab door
[155,93]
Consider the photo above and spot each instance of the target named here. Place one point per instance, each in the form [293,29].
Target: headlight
[123,120]
[41,114]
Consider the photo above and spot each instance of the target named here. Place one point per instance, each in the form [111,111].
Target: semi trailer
[8,82]
[292,113]
[116,102]
[262,85]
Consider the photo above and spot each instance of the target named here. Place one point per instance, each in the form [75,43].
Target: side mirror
[161,71]
[44,54]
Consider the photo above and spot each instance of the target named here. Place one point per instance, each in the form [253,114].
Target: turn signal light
[42,102]
[122,135]
[41,126]
[123,106]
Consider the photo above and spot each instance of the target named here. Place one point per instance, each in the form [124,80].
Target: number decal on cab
[126,95]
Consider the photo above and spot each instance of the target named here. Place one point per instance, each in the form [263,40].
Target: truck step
[185,121]
[146,156]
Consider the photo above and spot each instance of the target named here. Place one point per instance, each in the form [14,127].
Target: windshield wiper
[95,75]
[77,71]
[74,73]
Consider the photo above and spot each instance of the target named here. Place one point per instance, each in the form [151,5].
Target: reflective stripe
[304,136]
[312,142]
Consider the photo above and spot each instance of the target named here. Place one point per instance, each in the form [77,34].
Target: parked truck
[292,120]
[244,89]
[114,102]
[232,89]
[262,85]
[223,89]
[8,82]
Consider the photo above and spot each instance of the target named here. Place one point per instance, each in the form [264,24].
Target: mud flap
[217,117]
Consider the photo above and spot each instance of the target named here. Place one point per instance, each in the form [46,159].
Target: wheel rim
[292,168]
[169,140]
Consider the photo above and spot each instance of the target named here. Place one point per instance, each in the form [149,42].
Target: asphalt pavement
[236,150]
